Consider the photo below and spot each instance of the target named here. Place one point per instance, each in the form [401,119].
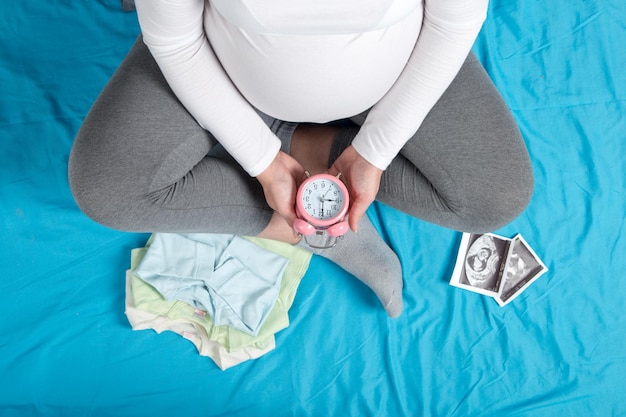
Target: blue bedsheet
[66,348]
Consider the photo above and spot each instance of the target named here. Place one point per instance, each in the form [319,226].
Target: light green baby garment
[147,298]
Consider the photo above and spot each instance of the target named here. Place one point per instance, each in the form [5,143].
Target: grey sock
[366,256]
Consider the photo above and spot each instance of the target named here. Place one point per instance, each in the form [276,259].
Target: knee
[93,189]
[500,200]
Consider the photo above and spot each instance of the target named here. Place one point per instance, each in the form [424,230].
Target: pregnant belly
[306,78]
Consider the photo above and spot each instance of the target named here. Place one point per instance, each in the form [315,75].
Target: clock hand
[323,198]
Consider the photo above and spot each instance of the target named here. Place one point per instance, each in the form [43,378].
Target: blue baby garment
[232,279]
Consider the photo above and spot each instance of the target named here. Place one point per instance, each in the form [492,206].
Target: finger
[357,210]
[290,217]
[288,213]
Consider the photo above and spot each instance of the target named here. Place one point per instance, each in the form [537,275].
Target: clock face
[323,198]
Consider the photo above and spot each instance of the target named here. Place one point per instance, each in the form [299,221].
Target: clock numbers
[322,199]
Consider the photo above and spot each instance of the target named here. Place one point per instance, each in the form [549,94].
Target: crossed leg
[141,163]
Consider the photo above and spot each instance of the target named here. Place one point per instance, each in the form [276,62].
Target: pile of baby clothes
[228,295]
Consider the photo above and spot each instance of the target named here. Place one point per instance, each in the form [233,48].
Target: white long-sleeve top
[309,61]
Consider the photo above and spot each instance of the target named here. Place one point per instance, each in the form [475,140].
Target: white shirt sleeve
[173,31]
[449,30]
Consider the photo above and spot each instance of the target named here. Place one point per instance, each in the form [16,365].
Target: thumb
[289,216]
[357,210]
[287,210]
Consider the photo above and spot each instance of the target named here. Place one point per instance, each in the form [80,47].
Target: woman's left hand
[362,180]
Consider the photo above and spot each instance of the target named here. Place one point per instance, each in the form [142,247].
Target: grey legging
[140,162]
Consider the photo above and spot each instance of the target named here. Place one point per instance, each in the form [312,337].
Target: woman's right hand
[280,181]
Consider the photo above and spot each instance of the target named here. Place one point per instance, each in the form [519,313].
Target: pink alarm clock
[321,206]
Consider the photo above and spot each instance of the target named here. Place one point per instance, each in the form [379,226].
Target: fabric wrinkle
[147,308]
